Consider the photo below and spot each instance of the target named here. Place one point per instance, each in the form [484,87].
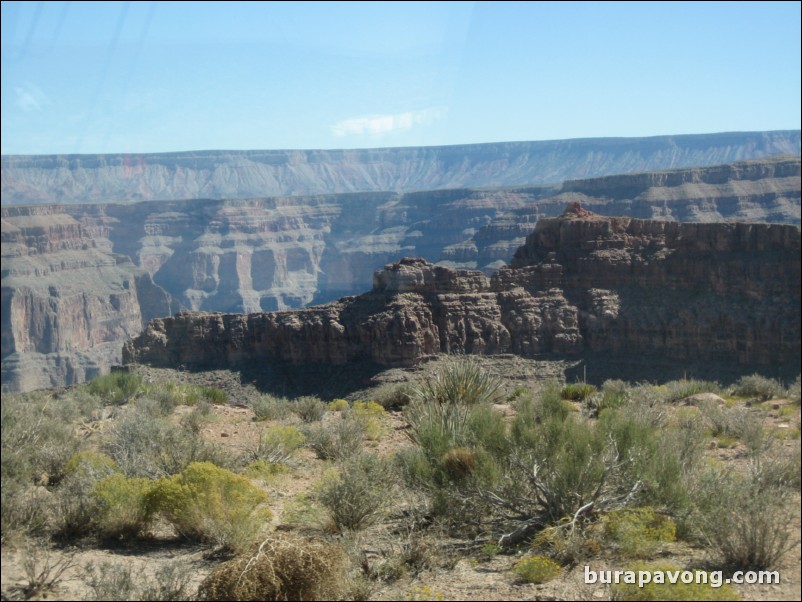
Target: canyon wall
[247,174]
[267,254]
[581,283]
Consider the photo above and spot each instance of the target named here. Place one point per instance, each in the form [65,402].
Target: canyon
[79,279]
[582,283]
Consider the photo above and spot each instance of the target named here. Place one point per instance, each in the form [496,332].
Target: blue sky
[140,77]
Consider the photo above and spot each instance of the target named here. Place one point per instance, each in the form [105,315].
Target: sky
[139,77]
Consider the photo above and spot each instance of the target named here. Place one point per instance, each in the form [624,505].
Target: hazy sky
[167,76]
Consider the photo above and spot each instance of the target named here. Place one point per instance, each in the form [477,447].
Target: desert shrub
[537,569]
[758,386]
[569,545]
[91,462]
[24,510]
[214,395]
[124,510]
[676,390]
[337,440]
[735,423]
[460,381]
[795,390]
[278,444]
[210,504]
[339,405]
[116,388]
[371,415]
[309,408]
[613,394]
[577,391]
[638,532]
[394,397]
[37,437]
[357,496]
[671,591]
[459,463]
[43,571]
[744,518]
[271,407]
[109,581]
[283,567]
[144,445]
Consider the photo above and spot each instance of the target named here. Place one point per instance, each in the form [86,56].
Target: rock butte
[581,283]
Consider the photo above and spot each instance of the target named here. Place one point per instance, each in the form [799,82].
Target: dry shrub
[459,462]
[283,567]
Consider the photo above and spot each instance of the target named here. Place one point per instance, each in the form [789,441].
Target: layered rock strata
[67,303]
[582,283]
[248,174]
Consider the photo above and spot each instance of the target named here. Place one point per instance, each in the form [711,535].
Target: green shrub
[671,591]
[577,391]
[309,408]
[460,381]
[271,407]
[124,511]
[210,504]
[109,581]
[91,462]
[278,444]
[339,405]
[758,386]
[744,519]
[358,495]
[283,567]
[116,388]
[638,532]
[144,445]
[537,569]
[214,395]
[394,397]
[676,390]
[336,440]
[795,390]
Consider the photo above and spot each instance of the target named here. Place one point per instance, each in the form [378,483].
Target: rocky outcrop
[582,283]
[247,174]
[67,303]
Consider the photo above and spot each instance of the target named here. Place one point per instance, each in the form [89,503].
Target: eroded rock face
[582,283]
[67,303]
[270,254]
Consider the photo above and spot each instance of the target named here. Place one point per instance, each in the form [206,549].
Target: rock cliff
[247,174]
[582,283]
[267,254]
[67,303]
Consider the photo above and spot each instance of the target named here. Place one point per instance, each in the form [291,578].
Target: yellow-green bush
[90,462]
[339,405]
[283,567]
[670,591]
[278,443]
[208,503]
[124,509]
[537,569]
[638,532]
